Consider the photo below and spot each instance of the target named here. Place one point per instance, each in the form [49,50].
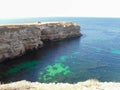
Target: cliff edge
[16,39]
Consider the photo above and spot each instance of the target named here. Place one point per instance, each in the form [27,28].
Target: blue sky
[51,8]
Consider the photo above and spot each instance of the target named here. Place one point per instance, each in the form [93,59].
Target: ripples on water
[95,55]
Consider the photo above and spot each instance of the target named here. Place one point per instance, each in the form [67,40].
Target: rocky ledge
[16,39]
[86,85]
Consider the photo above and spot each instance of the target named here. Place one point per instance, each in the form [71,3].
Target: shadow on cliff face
[30,64]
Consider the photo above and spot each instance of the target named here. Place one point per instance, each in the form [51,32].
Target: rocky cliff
[16,39]
[57,31]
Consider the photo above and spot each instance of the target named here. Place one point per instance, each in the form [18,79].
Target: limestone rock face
[57,31]
[16,39]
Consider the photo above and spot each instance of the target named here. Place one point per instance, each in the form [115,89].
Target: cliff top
[41,23]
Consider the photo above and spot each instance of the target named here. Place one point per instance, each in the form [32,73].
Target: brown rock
[16,39]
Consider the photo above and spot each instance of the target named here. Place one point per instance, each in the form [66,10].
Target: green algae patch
[115,51]
[76,53]
[52,71]
[65,57]
[56,69]
[25,65]
[62,59]
[98,49]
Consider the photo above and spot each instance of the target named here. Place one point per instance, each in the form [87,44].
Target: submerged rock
[16,39]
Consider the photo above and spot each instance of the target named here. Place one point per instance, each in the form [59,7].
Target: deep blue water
[94,55]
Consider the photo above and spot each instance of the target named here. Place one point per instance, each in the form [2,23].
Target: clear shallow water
[94,55]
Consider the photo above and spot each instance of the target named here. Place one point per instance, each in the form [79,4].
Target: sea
[94,55]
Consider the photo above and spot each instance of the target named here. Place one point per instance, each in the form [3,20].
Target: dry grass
[87,85]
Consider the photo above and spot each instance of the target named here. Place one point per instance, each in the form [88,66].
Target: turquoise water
[94,55]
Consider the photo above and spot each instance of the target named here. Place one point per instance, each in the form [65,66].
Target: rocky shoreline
[16,39]
[86,85]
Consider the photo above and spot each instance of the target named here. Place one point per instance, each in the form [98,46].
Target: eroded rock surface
[16,39]
[86,85]
[57,31]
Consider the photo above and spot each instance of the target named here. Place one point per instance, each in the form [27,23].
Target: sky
[59,8]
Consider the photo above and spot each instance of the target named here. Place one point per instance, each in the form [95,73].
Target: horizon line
[57,17]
